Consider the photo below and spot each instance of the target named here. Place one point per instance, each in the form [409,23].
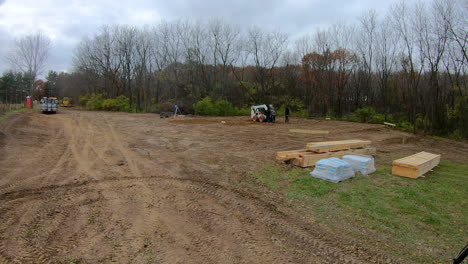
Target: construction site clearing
[100,187]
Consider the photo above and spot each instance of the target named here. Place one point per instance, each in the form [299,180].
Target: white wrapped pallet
[333,170]
[364,165]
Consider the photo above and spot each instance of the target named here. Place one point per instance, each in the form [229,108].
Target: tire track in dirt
[5,224]
[126,154]
[75,142]
[16,175]
[276,223]
[9,123]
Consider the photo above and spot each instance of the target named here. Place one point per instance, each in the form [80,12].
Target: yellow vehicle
[66,101]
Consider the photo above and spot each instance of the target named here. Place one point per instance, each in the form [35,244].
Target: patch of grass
[270,176]
[424,219]
[308,187]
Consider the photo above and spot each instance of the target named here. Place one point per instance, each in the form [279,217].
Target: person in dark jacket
[268,114]
[286,115]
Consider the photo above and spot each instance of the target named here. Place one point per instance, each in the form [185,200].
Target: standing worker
[286,115]
[268,114]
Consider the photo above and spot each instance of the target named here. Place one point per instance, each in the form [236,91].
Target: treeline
[14,87]
[408,64]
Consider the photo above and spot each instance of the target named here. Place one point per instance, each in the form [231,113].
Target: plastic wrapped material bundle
[332,169]
[361,164]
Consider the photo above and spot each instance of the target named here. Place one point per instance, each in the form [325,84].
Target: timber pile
[416,165]
[321,150]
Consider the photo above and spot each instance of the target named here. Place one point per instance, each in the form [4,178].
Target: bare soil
[96,187]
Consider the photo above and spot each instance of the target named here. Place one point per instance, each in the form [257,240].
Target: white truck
[49,105]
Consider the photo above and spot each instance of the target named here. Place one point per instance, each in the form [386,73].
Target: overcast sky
[66,22]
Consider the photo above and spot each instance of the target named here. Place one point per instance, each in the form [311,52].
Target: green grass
[5,115]
[415,220]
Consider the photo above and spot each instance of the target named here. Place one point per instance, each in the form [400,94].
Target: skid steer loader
[263,113]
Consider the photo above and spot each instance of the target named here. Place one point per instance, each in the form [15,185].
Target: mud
[98,187]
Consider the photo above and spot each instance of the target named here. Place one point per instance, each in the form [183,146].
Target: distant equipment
[49,105]
[263,113]
[166,114]
[66,102]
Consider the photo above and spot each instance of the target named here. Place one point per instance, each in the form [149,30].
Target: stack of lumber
[416,165]
[321,150]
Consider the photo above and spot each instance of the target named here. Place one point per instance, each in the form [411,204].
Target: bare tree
[365,42]
[225,37]
[407,31]
[266,49]
[302,46]
[385,48]
[454,15]
[30,54]
[343,62]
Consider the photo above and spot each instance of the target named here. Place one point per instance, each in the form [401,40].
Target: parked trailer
[49,105]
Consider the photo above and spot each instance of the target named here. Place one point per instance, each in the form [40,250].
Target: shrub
[296,111]
[365,114]
[377,118]
[224,108]
[422,122]
[406,126]
[121,103]
[368,115]
[300,113]
[458,116]
[95,102]
[218,108]
[204,107]
[83,100]
[109,105]
[154,108]
[243,111]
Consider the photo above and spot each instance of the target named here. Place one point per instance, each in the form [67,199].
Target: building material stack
[416,165]
[363,165]
[321,150]
[333,170]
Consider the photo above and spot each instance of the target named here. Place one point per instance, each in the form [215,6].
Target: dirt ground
[99,187]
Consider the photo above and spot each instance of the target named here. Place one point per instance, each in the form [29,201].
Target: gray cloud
[68,23]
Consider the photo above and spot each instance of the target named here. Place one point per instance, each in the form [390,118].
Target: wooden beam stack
[321,150]
[416,165]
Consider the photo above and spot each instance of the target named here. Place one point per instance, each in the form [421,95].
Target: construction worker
[286,115]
